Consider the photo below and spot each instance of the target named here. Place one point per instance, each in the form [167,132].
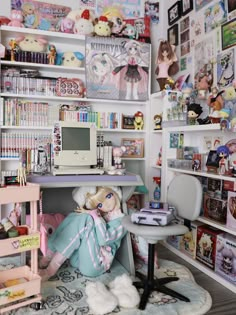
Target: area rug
[65,293]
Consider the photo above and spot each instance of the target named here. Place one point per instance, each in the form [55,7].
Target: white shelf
[156,166]
[51,68]
[202,268]
[60,98]
[156,131]
[204,174]
[217,225]
[27,127]
[51,36]
[194,128]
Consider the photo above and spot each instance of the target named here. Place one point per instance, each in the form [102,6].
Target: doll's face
[108,204]
[133,50]
[165,53]
[101,68]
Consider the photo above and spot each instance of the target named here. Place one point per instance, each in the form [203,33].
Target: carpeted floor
[64,294]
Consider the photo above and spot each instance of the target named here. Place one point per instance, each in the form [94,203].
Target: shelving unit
[21,294]
[73,42]
[196,132]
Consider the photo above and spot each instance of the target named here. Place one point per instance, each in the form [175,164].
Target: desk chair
[185,193]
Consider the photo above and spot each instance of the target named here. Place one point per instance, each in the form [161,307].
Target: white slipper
[125,291]
[100,299]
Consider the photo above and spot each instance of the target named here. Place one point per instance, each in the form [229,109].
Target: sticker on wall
[215,15]
[196,29]
[225,68]
[151,8]
[183,64]
[199,4]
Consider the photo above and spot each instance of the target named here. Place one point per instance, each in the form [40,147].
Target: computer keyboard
[77,171]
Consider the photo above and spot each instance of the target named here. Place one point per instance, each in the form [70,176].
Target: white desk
[127,183]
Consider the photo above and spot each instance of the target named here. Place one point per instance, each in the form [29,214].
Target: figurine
[14,46]
[166,63]
[138,120]
[117,153]
[233,163]
[194,111]
[223,153]
[21,175]
[157,122]
[215,100]
[52,54]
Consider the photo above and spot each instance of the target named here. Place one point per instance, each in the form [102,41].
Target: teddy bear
[16,18]
[31,43]
[70,59]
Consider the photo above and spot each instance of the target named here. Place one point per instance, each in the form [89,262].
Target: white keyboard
[77,171]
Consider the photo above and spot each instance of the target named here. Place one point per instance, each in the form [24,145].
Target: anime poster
[196,29]
[117,68]
[215,15]
[225,68]
[130,8]
[151,9]
[40,15]
[199,4]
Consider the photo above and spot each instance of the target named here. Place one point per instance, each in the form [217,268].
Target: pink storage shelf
[11,194]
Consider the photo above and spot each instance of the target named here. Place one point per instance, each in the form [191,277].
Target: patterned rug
[65,293]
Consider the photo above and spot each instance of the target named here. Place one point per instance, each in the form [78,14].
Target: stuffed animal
[31,43]
[4,20]
[102,26]
[67,25]
[16,18]
[115,15]
[230,100]
[84,26]
[69,59]
[129,31]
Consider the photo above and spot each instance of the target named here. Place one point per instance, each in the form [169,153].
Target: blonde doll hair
[25,9]
[113,11]
[92,200]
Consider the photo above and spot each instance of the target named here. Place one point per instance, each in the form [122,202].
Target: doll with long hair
[132,74]
[88,238]
[166,63]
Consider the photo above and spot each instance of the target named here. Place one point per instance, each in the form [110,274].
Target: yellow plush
[103,26]
[31,43]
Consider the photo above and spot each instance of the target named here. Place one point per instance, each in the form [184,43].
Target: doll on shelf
[215,100]
[132,75]
[52,54]
[166,63]
[89,237]
[223,153]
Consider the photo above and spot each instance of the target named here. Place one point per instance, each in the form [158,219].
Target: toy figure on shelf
[215,100]
[157,121]
[166,63]
[194,111]
[13,45]
[16,19]
[52,54]
[138,120]
[117,153]
[21,174]
[223,153]
[133,72]
[89,237]
[233,163]
[115,15]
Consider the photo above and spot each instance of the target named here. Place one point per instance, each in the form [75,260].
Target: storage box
[231,210]
[206,245]
[174,240]
[225,264]
[214,208]
[214,188]
[229,185]
[188,240]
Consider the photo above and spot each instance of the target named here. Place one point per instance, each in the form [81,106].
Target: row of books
[28,56]
[14,112]
[15,142]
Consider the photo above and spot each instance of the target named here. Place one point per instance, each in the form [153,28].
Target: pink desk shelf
[20,293]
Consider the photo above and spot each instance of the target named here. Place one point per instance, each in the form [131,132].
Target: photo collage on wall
[117,68]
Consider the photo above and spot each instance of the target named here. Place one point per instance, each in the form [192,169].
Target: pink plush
[67,25]
[16,18]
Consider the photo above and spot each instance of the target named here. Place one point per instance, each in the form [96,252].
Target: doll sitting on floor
[89,239]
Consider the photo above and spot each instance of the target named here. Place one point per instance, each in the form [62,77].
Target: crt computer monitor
[75,144]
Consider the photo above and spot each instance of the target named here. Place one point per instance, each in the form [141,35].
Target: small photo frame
[228,36]
[213,159]
[174,13]
[231,5]
[173,35]
[187,6]
[128,121]
[134,147]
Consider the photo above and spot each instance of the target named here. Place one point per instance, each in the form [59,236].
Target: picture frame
[186,7]
[128,122]
[174,12]
[173,35]
[231,5]
[228,38]
[134,147]
[213,160]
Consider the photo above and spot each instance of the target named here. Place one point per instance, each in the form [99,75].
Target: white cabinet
[64,43]
[22,285]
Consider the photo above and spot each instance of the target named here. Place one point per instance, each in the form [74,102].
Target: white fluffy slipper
[100,299]
[125,291]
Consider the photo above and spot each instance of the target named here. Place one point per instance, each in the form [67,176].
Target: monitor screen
[75,138]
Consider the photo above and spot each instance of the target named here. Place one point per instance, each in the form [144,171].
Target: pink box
[231,210]
[225,264]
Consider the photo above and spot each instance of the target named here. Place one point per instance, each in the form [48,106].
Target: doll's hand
[95,214]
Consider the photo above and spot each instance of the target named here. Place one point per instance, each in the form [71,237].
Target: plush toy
[194,111]
[102,26]
[115,15]
[70,59]
[117,153]
[98,233]
[16,18]
[84,26]
[138,120]
[4,20]
[31,43]
[67,25]
[230,100]
[129,31]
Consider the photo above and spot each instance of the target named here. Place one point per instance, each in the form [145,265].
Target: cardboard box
[206,245]
[215,209]
[231,210]
[188,240]
[225,264]
[174,241]
[229,185]
[214,187]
